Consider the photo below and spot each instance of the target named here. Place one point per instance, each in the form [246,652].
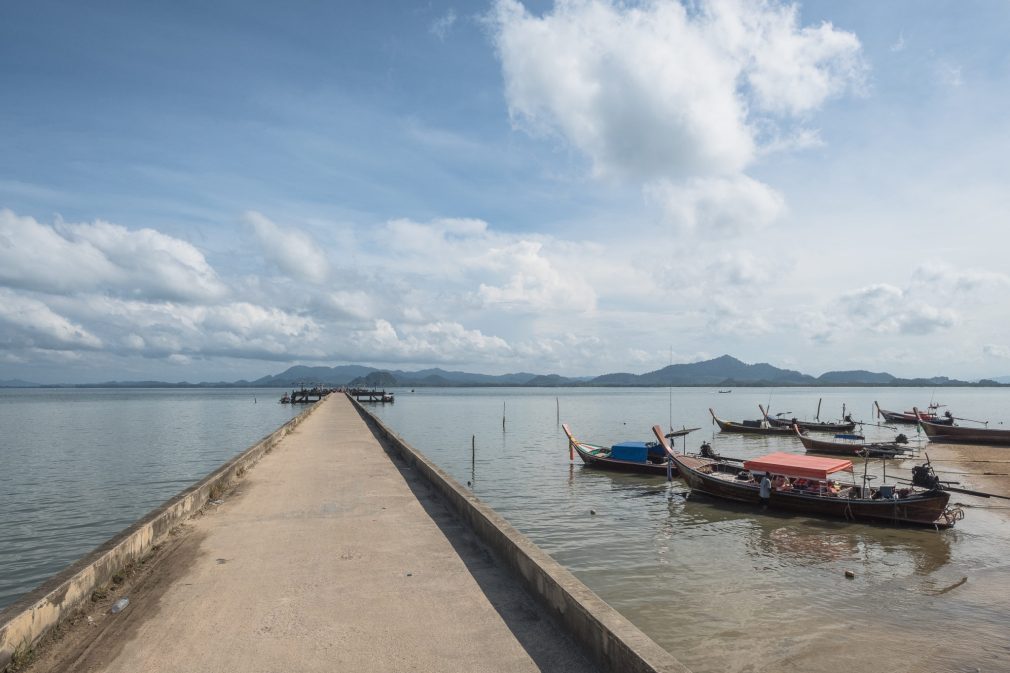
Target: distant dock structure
[371,395]
[314,394]
[306,395]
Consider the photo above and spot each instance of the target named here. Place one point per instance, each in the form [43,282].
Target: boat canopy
[792,465]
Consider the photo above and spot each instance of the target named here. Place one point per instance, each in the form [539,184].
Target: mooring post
[557,402]
[473,452]
[503,416]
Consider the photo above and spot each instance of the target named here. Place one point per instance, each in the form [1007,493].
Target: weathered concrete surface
[26,621]
[333,558]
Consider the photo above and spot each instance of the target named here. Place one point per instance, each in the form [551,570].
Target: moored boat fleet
[821,485]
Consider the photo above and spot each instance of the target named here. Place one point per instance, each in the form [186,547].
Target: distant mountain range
[724,372]
[17,383]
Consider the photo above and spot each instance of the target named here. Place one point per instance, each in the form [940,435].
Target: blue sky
[193,192]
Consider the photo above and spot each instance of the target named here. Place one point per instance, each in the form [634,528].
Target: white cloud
[533,283]
[885,308]
[441,26]
[512,272]
[293,252]
[997,351]
[678,99]
[430,342]
[935,277]
[725,316]
[718,205]
[102,257]
[155,265]
[949,74]
[638,90]
[791,70]
[899,44]
[744,269]
[31,323]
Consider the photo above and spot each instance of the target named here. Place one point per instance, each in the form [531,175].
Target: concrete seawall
[24,622]
[607,636]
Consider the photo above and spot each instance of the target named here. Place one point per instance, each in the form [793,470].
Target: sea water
[726,587]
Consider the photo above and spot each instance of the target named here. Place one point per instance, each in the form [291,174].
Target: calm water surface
[726,588]
[78,466]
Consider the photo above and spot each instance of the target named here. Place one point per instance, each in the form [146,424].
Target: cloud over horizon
[680,99]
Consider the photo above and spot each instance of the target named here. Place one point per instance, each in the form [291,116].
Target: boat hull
[730,426]
[813,425]
[912,418]
[606,463]
[925,509]
[959,434]
[844,449]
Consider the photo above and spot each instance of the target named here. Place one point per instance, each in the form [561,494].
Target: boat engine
[707,451]
[901,439]
[923,475]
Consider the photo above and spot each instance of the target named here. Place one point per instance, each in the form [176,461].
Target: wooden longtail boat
[886,503]
[749,427]
[914,416]
[847,425]
[851,448]
[640,457]
[961,434]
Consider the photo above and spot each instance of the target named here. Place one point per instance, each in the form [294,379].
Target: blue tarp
[633,451]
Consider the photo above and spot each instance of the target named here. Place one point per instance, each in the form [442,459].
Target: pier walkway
[331,556]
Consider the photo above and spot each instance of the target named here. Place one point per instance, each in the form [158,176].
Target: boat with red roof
[807,485]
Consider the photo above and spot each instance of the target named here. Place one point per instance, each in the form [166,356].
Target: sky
[215,191]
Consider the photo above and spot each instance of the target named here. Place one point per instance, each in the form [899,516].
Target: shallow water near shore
[724,587]
[78,466]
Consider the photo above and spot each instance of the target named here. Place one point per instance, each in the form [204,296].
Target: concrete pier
[331,556]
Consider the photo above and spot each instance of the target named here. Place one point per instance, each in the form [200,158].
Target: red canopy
[792,465]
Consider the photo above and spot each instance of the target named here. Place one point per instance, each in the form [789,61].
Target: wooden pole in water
[557,402]
[819,408]
[503,416]
[473,452]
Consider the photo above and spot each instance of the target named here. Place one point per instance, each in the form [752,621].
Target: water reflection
[804,540]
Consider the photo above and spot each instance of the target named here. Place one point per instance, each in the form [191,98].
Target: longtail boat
[960,434]
[749,427]
[851,447]
[846,425]
[914,416]
[640,457]
[807,486]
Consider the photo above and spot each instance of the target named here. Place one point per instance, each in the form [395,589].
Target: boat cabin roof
[793,465]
